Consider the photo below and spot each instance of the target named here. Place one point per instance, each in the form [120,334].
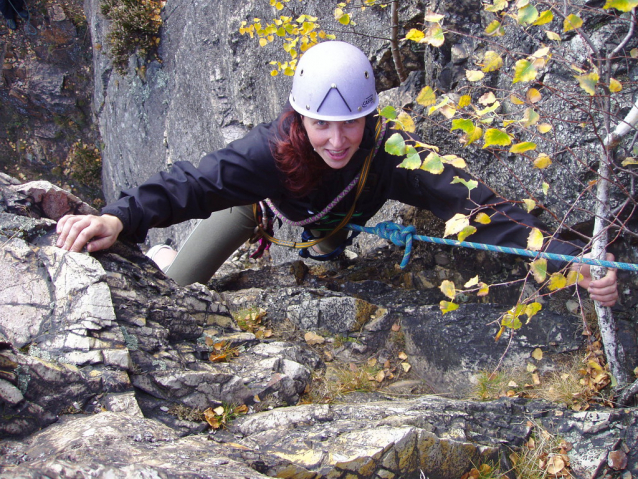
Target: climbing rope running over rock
[404,235]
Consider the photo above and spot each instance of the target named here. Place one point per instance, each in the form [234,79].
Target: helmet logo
[368,100]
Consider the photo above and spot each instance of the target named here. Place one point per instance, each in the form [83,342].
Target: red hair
[295,157]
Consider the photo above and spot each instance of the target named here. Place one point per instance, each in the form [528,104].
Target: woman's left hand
[604,290]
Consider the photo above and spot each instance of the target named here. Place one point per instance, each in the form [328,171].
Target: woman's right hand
[75,231]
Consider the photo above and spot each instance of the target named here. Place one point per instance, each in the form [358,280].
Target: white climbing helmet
[334,82]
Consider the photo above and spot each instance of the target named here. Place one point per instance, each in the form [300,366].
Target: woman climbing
[320,165]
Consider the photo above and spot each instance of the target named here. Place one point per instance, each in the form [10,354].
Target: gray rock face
[118,367]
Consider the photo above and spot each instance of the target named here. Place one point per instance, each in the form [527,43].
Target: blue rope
[403,236]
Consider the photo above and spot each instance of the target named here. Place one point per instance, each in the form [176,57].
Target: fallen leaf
[403,356]
[406,367]
[372,362]
[537,354]
[555,464]
[535,379]
[313,338]
[219,410]
[380,376]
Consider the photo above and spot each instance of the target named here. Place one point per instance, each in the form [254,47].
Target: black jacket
[245,172]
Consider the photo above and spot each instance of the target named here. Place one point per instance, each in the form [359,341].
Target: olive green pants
[217,237]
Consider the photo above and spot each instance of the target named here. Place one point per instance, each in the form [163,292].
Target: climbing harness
[264,230]
[403,236]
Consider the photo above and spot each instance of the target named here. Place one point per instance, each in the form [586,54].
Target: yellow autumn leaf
[483,290]
[516,100]
[535,240]
[464,101]
[544,128]
[426,97]
[483,219]
[415,35]
[531,368]
[622,5]
[542,161]
[573,277]
[537,354]
[474,75]
[448,289]
[487,98]
[494,136]
[448,111]
[406,367]
[532,309]
[533,95]
[455,161]
[557,281]
[552,35]
[492,61]
[495,29]
[405,122]
[447,306]
[456,224]
[614,85]
[546,17]
[529,204]
[629,161]
[472,282]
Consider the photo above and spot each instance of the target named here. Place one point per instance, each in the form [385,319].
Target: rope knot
[399,235]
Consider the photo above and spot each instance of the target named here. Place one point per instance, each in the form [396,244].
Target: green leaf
[526,15]
[389,112]
[465,232]
[412,160]
[539,269]
[433,164]
[434,36]
[572,22]
[530,117]
[463,124]
[344,19]
[426,97]
[494,136]
[469,184]
[545,187]
[622,5]
[588,82]
[524,71]
[545,17]
[523,147]
[395,145]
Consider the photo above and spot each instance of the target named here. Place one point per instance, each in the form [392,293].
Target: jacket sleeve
[510,225]
[240,174]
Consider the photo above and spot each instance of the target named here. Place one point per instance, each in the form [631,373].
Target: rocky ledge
[109,369]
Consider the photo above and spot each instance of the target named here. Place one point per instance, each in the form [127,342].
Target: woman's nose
[337,136]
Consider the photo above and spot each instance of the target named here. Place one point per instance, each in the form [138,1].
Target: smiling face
[335,142]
